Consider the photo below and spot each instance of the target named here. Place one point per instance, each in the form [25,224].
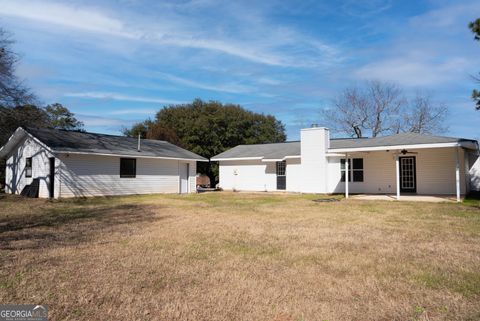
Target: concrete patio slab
[409,198]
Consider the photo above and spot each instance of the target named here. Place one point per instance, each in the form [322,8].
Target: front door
[408,174]
[281,175]
[184,169]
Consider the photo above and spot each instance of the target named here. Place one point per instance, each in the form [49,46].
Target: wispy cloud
[122,97]
[273,51]
[66,16]
[228,88]
[411,71]
[136,111]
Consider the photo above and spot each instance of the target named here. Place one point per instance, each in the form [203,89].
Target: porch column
[457,174]
[347,171]
[397,176]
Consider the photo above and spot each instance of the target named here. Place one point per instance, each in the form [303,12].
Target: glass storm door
[281,175]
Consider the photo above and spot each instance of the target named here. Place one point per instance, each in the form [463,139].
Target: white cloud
[284,47]
[122,97]
[414,72]
[228,88]
[137,111]
[67,16]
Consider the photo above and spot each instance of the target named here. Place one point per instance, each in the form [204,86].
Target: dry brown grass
[234,256]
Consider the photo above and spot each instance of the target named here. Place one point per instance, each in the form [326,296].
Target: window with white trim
[355,173]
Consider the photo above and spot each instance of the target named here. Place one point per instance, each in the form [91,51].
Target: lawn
[236,256]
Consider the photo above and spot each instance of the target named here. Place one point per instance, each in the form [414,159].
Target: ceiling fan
[405,152]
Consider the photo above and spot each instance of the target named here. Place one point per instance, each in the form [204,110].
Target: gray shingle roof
[281,150]
[268,151]
[393,140]
[72,141]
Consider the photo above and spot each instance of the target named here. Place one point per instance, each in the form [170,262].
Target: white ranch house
[405,163]
[56,163]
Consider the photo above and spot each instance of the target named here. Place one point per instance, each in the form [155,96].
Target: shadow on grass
[70,225]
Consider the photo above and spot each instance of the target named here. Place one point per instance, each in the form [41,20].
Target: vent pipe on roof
[138,147]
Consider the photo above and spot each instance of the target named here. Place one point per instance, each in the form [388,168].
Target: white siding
[93,175]
[474,171]
[313,144]
[294,175]
[435,170]
[251,175]
[15,170]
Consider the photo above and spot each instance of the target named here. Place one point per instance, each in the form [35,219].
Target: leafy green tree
[209,128]
[61,118]
[475,27]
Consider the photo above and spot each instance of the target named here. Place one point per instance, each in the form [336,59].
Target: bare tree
[12,90]
[384,104]
[378,109]
[424,116]
[371,109]
[349,114]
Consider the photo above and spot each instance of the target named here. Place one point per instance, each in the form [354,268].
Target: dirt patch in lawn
[238,256]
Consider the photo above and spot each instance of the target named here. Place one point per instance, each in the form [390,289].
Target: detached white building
[402,163]
[57,163]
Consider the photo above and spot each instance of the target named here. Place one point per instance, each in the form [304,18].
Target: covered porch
[429,172]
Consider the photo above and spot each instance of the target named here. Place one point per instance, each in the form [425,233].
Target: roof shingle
[281,150]
[92,143]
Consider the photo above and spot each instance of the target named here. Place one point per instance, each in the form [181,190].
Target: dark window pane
[358,176]
[357,163]
[28,167]
[342,164]
[128,167]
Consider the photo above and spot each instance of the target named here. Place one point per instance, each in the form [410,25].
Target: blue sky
[117,62]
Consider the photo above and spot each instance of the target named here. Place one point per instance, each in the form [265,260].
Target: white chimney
[138,146]
[314,144]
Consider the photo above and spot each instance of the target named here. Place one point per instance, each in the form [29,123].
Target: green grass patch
[464,282]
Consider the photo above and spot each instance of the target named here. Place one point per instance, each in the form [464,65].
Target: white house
[402,163]
[57,163]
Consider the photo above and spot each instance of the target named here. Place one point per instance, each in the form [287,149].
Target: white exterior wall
[314,143]
[15,170]
[94,175]
[473,168]
[248,175]
[294,175]
[435,169]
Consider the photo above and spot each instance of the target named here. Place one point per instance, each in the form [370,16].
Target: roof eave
[130,156]
[400,147]
[220,159]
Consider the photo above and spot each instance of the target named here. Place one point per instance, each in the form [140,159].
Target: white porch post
[347,171]
[397,176]
[457,174]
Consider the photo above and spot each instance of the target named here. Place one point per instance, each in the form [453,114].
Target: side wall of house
[15,167]
[435,169]
[473,168]
[248,175]
[94,175]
